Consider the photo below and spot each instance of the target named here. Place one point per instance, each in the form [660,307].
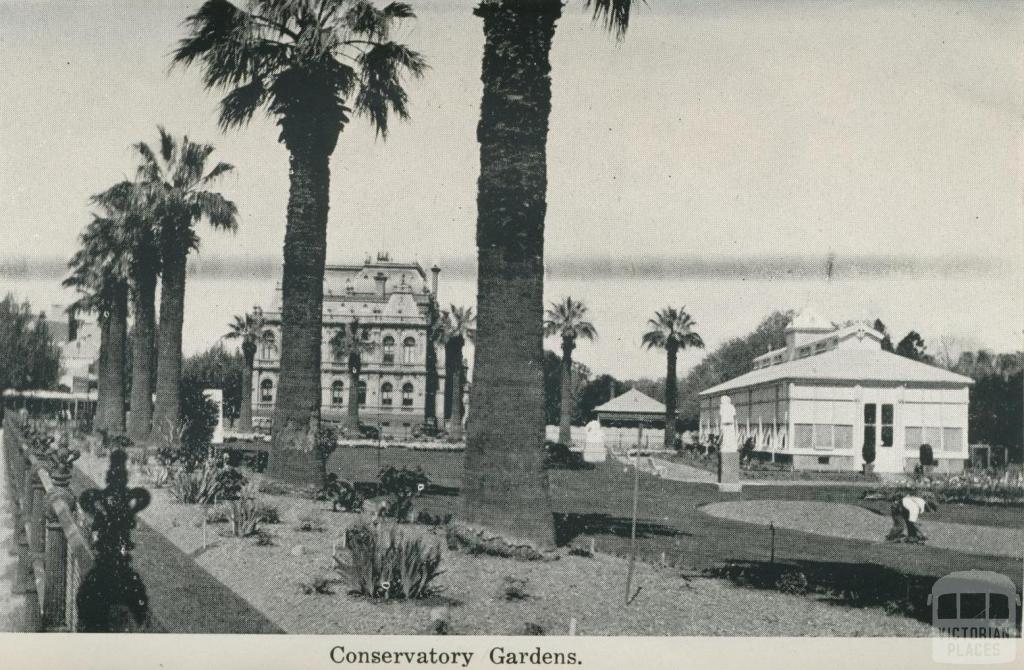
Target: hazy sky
[744,130]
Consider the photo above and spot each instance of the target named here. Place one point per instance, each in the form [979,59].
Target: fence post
[23,512]
[37,554]
[61,461]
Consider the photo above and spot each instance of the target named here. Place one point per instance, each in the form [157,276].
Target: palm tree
[349,344]
[311,63]
[175,179]
[455,328]
[505,486]
[672,330]
[248,330]
[99,273]
[567,319]
[138,231]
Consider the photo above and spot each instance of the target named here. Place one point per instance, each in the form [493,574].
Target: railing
[53,552]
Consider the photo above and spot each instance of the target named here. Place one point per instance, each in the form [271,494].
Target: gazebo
[630,411]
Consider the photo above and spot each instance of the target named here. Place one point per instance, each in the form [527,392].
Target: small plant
[532,628]
[264,539]
[218,514]
[442,627]
[428,519]
[926,455]
[244,515]
[230,480]
[402,484]
[515,588]
[580,551]
[747,449]
[196,486]
[269,513]
[386,564]
[311,523]
[476,542]
[793,582]
[156,476]
[320,585]
[342,494]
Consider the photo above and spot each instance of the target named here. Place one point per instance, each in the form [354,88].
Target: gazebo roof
[632,402]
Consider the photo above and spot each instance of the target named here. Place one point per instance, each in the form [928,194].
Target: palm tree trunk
[671,394]
[565,416]
[172,319]
[455,428]
[117,334]
[297,410]
[245,410]
[430,393]
[352,411]
[144,308]
[505,486]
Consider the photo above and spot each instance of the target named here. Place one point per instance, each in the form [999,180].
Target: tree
[912,346]
[28,357]
[349,345]
[139,237]
[456,327]
[886,340]
[310,63]
[671,329]
[505,485]
[175,180]
[100,273]
[597,392]
[248,330]
[215,368]
[567,320]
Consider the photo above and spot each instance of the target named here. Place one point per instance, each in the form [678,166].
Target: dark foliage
[30,358]
[402,484]
[560,456]
[217,368]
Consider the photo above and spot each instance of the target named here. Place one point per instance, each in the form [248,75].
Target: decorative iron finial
[60,460]
[112,597]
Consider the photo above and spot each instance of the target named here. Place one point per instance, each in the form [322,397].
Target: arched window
[337,393]
[407,389]
[267,391]
[388,346]
[409,350]
[362,392]
[385,393]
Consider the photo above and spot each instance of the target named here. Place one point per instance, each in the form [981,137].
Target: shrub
[515,588]
[532,628]
[402,484]
[560,456]
[428,519]
[269,514]
[747,449]
[342,494]
[196,486]
[926,456]
[868,452]
[244,515]
[580,551]
[793,582]
[218,514]
[230,481]
[476,542]
[326,443]
[272,488]
[984,488]
[156,477]
[264,539]
[387,564]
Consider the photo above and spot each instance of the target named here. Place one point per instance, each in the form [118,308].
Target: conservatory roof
[849,365]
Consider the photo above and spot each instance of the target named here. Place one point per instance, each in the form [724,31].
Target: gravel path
[858,523]
[590,590]
[10,604]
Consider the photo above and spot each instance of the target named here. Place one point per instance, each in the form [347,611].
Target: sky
[714,158]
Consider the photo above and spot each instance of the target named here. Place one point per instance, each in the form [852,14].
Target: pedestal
[729,472]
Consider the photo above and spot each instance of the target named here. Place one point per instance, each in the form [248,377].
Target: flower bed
[992,487]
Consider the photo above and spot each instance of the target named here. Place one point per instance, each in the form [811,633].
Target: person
[906,510]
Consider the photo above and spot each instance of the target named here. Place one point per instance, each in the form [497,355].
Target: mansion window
[337,393]
[266,391]
[269,343]
[385,393]
[388,346]
[409,350]
[407,395]
[362,392]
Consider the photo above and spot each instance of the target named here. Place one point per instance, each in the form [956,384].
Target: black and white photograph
[526,321]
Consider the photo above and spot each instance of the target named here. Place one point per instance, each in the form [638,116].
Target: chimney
[435,271]
[381,280]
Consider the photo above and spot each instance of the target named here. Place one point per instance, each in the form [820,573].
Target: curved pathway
[857,523]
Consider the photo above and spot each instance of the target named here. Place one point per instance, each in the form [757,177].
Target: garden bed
[473,595]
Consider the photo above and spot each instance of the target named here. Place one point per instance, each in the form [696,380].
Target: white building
[819,399]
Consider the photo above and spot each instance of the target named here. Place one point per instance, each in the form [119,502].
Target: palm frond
[240,104]
[380,87]
[218,210]
[614,14]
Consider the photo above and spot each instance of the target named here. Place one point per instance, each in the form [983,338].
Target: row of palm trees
[313,64]
[140,238]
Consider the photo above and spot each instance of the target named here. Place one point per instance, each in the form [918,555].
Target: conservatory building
[817,401]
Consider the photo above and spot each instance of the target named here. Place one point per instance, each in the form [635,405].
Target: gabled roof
[632,402]
[850,365]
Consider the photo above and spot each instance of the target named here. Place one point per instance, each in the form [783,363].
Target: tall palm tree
[349,345]
[310,63]
[138,232]
[175,180]
[248,330]
[456,327]
[505,486]
[567,319]
[671,329]
[100,274]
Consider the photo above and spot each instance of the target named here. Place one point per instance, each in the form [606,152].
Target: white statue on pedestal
[593,450]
